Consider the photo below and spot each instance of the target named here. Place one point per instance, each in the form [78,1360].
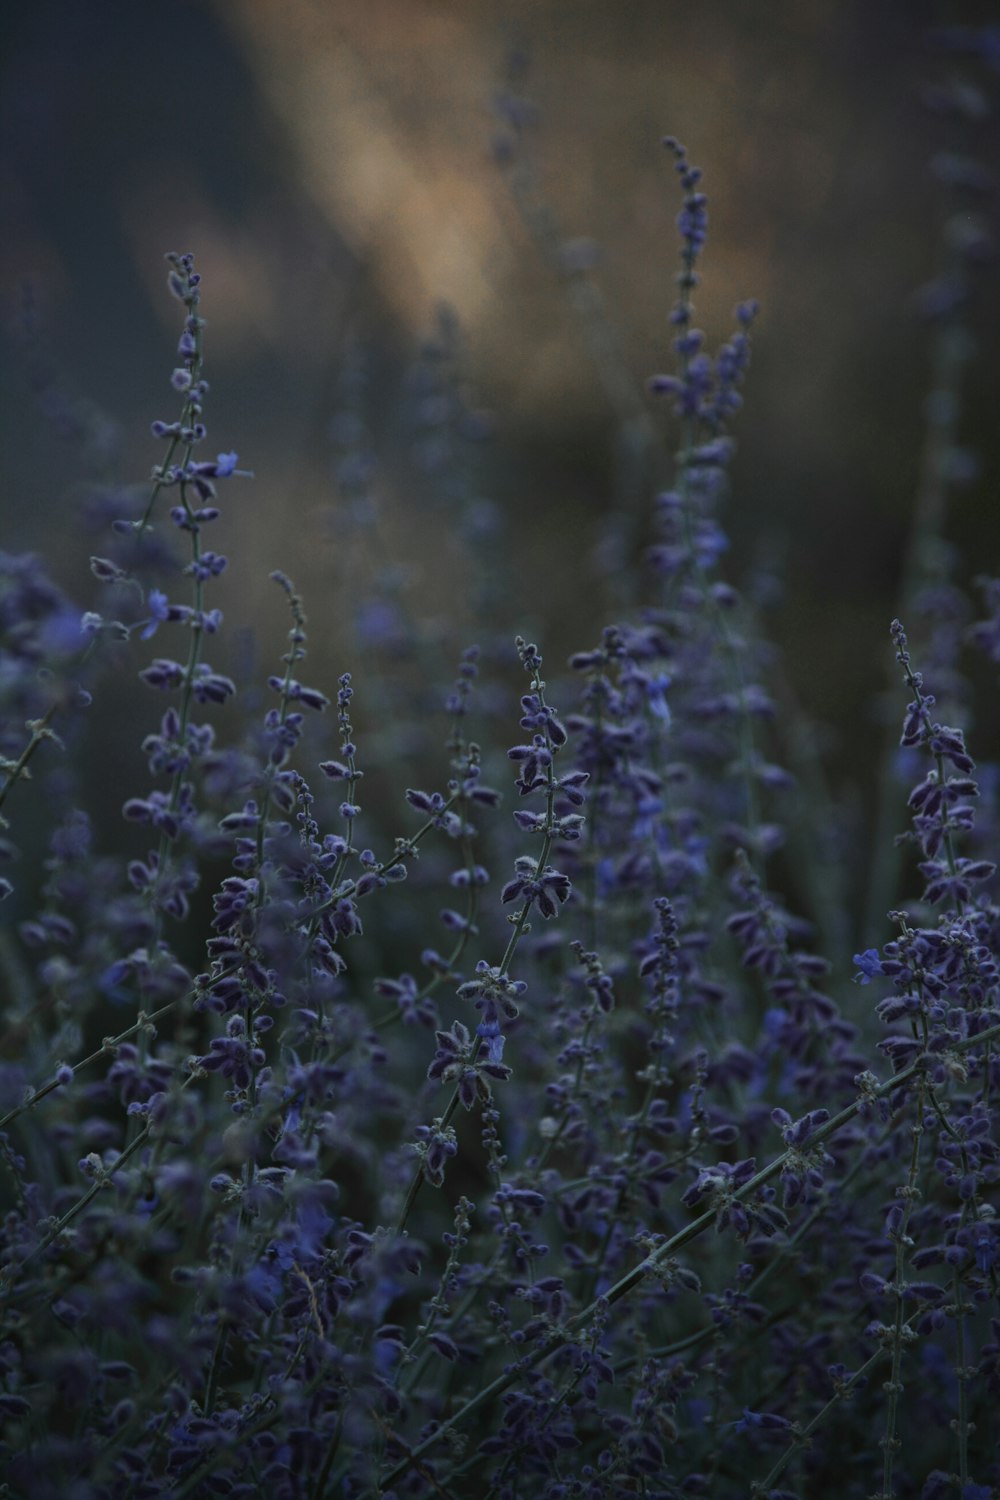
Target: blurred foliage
[331,166]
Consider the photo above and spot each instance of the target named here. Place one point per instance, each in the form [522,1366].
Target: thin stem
[652,1263]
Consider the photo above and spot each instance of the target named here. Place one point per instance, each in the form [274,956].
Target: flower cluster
[624,1188]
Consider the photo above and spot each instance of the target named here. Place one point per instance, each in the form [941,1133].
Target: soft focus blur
[331,165]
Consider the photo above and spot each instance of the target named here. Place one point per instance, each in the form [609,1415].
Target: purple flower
[547,889]
[233,1055]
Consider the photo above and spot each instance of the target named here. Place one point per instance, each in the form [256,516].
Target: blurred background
[334,167]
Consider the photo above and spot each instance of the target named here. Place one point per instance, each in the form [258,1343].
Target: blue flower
[985,1250]
[766,1421]
[869,964]
[656,697]
[158,612]
[494,1039]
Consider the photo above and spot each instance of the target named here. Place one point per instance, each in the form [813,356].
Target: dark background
[330,166]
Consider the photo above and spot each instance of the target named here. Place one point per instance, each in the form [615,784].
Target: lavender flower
[632,1199]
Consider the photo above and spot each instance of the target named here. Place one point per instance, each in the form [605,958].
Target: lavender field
[438,1060]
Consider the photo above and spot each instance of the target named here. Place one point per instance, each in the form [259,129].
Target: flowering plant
[622,1190]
